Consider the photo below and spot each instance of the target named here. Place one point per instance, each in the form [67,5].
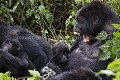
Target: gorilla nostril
[76,27]
[91,53]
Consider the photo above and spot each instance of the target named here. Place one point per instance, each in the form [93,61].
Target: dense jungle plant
[54,20]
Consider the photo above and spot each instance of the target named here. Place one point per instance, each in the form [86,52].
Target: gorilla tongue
[86,38]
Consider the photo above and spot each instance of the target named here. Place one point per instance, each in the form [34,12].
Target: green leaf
[68,21]
[107,72]
[73,13]
[78,1]
[35,74]
[15,7]
[114,66]
[41,8]
[6,76]
[49,18]
[10,3]
[117,76]
[102,35]
[117,26]
[117,34]
[46,1]
[88,1]
[74,22]
[46,31]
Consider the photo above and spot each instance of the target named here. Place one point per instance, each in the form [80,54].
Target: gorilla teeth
[76,33]
[85,37]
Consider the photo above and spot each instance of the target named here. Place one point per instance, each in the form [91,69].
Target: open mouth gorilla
[93,18]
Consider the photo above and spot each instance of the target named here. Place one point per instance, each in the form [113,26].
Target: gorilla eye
[9,44]
[91,53]
[96,18]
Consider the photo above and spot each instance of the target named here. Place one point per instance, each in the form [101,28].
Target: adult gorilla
[93,18]
[36,48]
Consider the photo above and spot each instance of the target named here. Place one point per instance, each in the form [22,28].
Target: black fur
[14,59]
[95,17]
[37,49]
[60,53]
[76,74]
[87,56]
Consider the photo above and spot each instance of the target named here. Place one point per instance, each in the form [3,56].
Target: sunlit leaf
[35,75]
[41,8]
[107,72]
[49,18]
[74,22]
[117,26]
[117,76]
[117,34]
[114,66]
[15,7]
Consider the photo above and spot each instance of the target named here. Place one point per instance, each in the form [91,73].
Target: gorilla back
[37,48]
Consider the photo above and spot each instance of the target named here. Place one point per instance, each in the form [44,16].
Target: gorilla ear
[18,48]
[96,20]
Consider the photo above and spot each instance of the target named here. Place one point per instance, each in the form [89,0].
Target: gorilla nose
[76,29]
[64,58]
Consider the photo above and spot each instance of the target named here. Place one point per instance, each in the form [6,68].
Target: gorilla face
[60,52]
[90,20]
[12,45]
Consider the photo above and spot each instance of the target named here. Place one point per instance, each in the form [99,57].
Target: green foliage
[114,66]
[101,36]
[115,5]
[111,49]
[113,69]
[82,1]
[47,17]
[6,76]
[30,13]
[35,75]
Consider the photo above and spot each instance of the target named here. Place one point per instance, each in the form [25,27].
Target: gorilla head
[60,51]
[93,18]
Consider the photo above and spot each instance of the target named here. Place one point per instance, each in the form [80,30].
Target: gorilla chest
[78,59]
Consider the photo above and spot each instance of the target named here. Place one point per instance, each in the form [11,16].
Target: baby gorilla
[76,74]
[60,66]
[14,59]
[60,52]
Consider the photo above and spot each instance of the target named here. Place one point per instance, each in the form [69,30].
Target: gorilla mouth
[77,33]
[85,36]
